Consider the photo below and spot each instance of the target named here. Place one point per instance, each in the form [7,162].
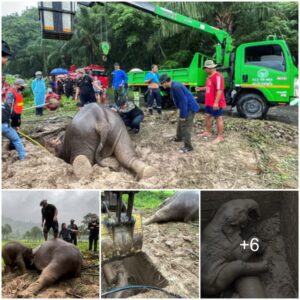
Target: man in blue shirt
[152,79]
[119,82]
[187,105]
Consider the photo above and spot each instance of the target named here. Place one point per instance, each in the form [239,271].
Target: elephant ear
[231,231]
[103,130]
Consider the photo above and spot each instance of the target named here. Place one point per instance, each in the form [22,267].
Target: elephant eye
[252,213]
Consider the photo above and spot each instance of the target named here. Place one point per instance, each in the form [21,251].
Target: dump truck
[257,75]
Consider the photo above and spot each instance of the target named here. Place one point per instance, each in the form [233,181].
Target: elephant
[55,259]
[223,260]
[16,256]
[181,207]
[97,135]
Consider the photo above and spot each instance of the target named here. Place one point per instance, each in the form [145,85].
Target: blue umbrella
[58,71]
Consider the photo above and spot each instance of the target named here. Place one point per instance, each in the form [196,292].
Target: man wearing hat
[49,218]
[7,130]
[214,101]
[187,105]
[38,87]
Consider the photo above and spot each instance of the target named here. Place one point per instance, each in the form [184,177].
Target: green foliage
[138,39]
[6,230]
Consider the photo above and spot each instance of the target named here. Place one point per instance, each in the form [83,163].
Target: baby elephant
[223,260]
[16,256]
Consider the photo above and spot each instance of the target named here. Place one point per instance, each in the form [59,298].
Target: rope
[32,140]
[148,287]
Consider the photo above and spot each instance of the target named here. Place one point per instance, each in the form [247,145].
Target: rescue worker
[65,233]
[119,83]
[69,86]
[49,218]
[93,227]
[152,79]
[38,87]
[7,130]
[74,231]
[187,105]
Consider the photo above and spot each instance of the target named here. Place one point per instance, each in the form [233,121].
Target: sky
[25,205]
[9,7]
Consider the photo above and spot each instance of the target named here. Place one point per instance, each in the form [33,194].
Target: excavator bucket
[120,240]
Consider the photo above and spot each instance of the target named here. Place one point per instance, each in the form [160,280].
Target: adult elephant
[95,135]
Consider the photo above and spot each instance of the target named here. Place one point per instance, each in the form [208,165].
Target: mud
[86,286]
[255,154]
[173,250]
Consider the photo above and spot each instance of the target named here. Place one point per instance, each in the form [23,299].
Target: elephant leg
[20,263]
[82,167]
[47,277]
[159,216]
[235,269]
[250,287]
[7,269]
[110,162]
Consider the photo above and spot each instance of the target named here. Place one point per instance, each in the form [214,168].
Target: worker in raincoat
[38,87]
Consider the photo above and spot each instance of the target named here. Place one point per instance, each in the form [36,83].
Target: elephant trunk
[250,287]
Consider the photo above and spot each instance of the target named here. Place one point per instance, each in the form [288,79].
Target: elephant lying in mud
[181,207]
[223,260]
[55,259]
[98,135]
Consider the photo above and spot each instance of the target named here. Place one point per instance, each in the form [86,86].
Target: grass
[150,199]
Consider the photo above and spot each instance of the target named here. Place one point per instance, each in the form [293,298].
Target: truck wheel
[252,106]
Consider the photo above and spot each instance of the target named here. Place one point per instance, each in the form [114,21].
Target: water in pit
[133,270]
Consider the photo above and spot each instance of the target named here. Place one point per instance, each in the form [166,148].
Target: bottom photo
[50,244]
[150,244]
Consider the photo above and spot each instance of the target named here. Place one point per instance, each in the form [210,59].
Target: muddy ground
[255,154]
[174,250]
[87,286]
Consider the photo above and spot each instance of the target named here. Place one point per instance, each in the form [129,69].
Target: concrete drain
[133,270]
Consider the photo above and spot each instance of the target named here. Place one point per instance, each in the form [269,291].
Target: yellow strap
[33,141]
[266,86]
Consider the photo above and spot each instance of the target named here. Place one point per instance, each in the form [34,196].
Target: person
[51,84]
[52,101]
[74,231]
[14,99]
[152,79]
[119,83]
[85,88]
[65,233]
[7,130]
[187,105]
[93,227]
[131,114]
[97,90]
[60,86]
[214,101]
[69,86]
[38,87]
[49,218]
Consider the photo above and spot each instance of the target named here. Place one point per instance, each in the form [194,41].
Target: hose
[148,287]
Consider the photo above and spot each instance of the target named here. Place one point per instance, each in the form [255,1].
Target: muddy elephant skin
[223,260]
[96,134]
[16,256]
[182,207]
[55,259]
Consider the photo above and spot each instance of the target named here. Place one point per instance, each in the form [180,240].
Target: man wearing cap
[74,231]
[214,101]
[152,79]
[119,83]
[49,218]
[93,227]
[7,130]
[187,105]
[38,87]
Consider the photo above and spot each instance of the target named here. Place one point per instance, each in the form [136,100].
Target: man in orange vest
[14,99]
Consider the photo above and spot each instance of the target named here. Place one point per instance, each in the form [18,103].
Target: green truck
[257,75]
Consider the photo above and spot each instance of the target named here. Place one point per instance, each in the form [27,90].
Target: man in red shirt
[214,101]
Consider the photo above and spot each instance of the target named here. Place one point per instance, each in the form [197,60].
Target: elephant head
[235,215]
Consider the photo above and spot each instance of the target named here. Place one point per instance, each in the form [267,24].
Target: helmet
[5,49]
[37,73]
[20,81]
[164,78]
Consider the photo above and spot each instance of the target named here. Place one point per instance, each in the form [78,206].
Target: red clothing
[18,101]
[214,83]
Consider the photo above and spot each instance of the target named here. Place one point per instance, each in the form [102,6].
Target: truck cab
[264,75]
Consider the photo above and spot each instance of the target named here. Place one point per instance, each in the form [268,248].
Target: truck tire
[252,106]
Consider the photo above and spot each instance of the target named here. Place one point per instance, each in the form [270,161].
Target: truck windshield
[98,73]
[269,56]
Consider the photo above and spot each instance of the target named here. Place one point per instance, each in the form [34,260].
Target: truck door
[265,67]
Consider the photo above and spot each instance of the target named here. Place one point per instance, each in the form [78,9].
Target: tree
[36,233]
[6,230]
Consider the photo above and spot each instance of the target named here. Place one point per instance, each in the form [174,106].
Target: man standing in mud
[94,233]
[49,219]
[74,231]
